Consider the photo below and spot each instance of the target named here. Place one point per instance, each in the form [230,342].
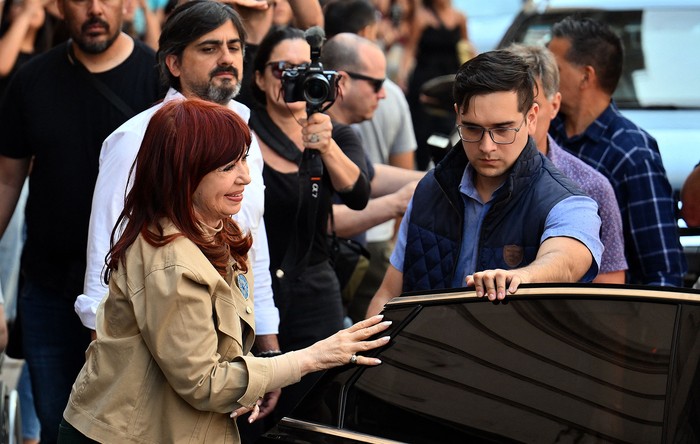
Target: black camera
[311,84]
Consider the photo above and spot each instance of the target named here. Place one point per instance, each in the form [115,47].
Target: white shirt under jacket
[116,157]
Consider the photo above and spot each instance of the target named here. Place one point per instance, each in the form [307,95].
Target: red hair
[185,140]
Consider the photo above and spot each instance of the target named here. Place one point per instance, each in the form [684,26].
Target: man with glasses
[370,103]
[494,213]
[362,69]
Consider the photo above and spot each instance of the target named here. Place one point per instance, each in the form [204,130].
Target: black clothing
[51,113]
[22,58]
[309,302]
[436,56]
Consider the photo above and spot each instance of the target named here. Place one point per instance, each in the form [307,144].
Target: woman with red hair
[171,359]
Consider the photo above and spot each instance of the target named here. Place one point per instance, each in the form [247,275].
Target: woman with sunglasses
[307,160]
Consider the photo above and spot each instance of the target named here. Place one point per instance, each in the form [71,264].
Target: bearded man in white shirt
[200,55]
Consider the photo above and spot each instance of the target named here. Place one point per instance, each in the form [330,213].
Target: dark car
[575,364]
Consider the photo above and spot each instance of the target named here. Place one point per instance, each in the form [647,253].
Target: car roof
[613,4]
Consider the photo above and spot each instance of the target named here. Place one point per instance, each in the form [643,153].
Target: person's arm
[206,380]
[416,25]
[559,259]
[13,172]
[570,251]
[613,263]
[251,219]
[116,158]
[349,223]
[344,161]
[405,160]
[153,27]
[11,42]
[390,288]
[690,198]
[390,179]
[307,13]
[317,134]
[612,277]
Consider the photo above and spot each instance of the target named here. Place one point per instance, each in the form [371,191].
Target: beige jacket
[171,359]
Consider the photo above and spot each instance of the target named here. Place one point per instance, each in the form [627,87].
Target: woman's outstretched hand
[345,347]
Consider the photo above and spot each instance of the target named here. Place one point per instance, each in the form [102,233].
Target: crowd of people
[173,204]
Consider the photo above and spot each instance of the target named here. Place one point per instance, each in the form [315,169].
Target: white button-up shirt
[116,158]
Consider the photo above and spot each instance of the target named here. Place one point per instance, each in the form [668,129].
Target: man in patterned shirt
[544,69]
[589,56]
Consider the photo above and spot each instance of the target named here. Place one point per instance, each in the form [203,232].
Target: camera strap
[296,258]
[103,89]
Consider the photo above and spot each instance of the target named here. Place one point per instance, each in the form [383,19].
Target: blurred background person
[174,333]
[22,35]
[589,55]
[307,160]
[144,19]
[365,102]
[430,51]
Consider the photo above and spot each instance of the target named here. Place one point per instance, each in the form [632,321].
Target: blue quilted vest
[511,231]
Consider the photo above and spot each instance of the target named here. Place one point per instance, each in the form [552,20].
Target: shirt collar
[595,130]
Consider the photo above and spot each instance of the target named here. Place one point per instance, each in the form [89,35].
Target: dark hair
[348,16]
[187,23]
[185,140]
[595,44]
[274,37]
[495,71]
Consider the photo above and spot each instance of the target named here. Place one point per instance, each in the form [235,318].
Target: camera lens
[316,89]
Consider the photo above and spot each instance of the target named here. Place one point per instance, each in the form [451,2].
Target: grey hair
[542,64]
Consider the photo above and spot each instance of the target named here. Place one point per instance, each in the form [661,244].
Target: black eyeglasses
[376,83]
[500,136]
[278,67]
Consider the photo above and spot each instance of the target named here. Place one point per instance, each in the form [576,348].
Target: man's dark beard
[91,47]
[218,94]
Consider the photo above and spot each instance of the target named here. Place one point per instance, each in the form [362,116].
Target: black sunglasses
[376,83]
[278,67]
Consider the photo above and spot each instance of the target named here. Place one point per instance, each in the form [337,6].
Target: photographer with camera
[307,159]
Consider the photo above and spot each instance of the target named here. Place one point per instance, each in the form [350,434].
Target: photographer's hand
[316,132]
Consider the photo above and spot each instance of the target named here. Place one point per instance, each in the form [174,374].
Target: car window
[661,64]
[534,371]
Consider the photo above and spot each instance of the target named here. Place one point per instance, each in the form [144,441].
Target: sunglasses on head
[278,67]
[376,83]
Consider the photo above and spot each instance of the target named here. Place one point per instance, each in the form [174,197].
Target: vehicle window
[657,45]
[532,371]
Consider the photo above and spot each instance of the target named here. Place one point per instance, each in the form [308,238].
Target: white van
[660,85]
